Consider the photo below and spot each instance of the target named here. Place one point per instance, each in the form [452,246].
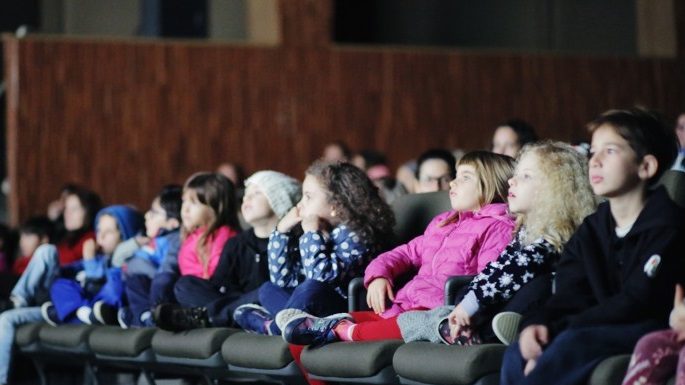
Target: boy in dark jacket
[269,195]
[616,276]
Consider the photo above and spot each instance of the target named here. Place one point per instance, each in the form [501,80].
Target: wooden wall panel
[126,117]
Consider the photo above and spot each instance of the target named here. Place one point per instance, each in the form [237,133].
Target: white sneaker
[506,326]
[284,316]
[83,314]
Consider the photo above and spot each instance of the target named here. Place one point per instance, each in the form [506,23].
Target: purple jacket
[460,248]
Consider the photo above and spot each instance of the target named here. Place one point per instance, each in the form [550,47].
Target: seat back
[413,212]
[674,182]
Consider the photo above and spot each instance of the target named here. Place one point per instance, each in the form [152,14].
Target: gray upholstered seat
[113,341]
[413,212]
[429,363]
[197,347]
[366,362]
[67,338]
[27,335]
[261,355]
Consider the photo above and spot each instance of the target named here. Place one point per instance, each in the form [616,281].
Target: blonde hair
[494,171]
[565,197]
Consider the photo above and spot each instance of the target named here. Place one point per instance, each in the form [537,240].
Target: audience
[511,136]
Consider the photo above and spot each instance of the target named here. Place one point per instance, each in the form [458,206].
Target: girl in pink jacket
[458,242]
[210,219]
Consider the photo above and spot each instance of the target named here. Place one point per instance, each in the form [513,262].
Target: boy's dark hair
[372,157]
[524,131]
[645,132]
[438,153]
[41,226]
[171,199]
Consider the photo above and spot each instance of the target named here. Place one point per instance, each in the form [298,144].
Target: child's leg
[162,289]
[67,296]
[192,291]
[9,321]
[654,359]
[38,276]
[512,366]
[273,298]
[220,311]
[317,298]
[572,356]
[373,329]
[138,294]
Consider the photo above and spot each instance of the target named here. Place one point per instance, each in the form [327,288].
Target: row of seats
[230,354]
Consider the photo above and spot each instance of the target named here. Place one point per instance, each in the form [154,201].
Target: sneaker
[104,314]
[253,318]
[506,326]
[85,315]
[125,317]
[173,317]
[445,333]
[146,319]
[465,336]
[306,329]
[49,314]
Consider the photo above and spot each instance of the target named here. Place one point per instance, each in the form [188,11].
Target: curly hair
[564,197]
[357,200]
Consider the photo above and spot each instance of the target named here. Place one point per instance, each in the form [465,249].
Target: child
[457,242]
[660,354]
[91,291]
[151,266]
[33,287]
[345,223]
[615,276]
[34,232]
[209,218]
[269,195]
[550,195]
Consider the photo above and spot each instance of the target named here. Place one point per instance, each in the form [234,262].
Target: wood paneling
[126,117]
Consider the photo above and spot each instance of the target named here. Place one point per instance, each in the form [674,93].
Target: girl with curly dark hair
[321,245]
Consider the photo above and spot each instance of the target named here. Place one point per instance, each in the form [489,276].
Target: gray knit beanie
[282,191]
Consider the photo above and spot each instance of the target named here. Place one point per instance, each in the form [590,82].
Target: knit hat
[282,191]
[129,220]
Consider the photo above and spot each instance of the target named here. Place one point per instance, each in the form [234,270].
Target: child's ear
[648,167]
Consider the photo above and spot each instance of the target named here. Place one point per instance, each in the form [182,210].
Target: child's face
[74,213]
[613,165]
[505,141]
[193,213]
[28,243]
[314,200]
[108,235]
[255,207]
[524,185]
[155,219]
[464,192]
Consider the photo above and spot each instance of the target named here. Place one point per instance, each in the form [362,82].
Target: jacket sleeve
[124,251]
[327,260]
[170,259]
[95,268]
[642,296]
[494,240]
[284,259]
[502,278]
[227,264]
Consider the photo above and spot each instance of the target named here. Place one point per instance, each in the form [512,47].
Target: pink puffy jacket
[460,248]
[188,260]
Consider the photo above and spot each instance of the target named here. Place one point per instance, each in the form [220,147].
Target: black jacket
[601,278]
[243,264]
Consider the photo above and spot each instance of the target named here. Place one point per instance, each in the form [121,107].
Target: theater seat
[674,182]
[413,212]
[261,356]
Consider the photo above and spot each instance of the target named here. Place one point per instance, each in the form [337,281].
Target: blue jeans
[572,356]
[9,321]
[314,297]
[33,286]
[144,293]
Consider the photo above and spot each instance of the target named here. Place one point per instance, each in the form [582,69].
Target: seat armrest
[453,285]
[356,295]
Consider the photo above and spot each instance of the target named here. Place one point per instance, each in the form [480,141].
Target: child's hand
[677,319]
[379,289]
[458,320]
[531,341]
[530,365]
[314,223]
[290,220]
[142,240]
[89,249]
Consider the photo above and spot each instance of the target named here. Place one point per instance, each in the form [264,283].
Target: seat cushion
[115,341]
[66,336]
[256,351]
[350,359]
[610,371]
[196,343]
[28,333]
[447,365]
